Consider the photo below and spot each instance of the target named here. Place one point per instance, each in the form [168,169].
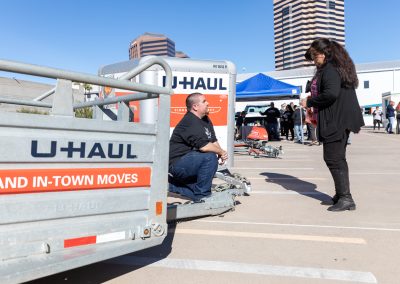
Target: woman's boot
[331,201]
[342,186]
[342,205]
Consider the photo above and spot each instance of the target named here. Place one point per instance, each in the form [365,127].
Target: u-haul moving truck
[215,79]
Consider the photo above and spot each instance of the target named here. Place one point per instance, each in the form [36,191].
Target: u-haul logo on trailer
[197,83]
[82,150]
[215,87]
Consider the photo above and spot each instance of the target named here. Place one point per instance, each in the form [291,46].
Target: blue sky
[84,35]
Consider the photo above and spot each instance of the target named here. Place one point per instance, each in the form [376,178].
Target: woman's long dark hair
[338,57]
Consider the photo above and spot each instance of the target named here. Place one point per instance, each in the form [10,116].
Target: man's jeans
[389,127]
[272,129]
[192,174]
[298,132]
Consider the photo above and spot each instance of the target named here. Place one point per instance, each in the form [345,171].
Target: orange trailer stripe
[79,241]
[53,180]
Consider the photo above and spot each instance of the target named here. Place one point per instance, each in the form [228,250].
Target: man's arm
[215,148]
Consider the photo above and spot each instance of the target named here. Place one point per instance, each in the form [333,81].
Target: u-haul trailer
[217,81]
[75,191]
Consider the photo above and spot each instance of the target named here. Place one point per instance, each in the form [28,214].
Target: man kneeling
[194,151]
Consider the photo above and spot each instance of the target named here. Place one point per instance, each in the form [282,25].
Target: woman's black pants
[335,159]
[398,126]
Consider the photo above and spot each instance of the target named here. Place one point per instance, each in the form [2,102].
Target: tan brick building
[298,22]
[151,44]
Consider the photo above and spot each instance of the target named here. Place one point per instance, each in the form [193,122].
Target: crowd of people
[298,123]
[392,113]
[288,123]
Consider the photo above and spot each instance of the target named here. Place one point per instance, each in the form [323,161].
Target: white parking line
[387,137]
[293,237]
[299,225]
[289,178]
[287,192]
[305,169]
[248,268]
[374,173]
[251,159]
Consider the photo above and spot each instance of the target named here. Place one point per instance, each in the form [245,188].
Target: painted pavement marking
[287,178]
[235,234]
[248,268]
[387,137]
[304,169]
[373,173]
[299,225]
[287,192]
[275,160]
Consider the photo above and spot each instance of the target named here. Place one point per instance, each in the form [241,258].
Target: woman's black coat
[338,107]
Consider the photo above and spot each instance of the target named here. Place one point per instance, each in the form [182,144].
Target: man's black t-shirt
[191,134]
[272,115]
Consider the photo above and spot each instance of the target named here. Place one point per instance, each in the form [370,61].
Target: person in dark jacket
[390,117]
[272,114]
[298,121]
[288,122]
[239,123]
[334,98]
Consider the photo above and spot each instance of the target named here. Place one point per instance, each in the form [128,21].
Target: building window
[367,110]
[332,5]
[285,11]
[366,84]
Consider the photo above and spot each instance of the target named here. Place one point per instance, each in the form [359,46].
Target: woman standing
[334,100]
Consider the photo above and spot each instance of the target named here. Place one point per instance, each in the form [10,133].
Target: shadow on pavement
[292,183]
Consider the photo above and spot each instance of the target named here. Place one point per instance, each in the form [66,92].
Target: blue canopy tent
[262,87]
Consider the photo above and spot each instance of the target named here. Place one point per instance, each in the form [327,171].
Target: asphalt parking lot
[281,233]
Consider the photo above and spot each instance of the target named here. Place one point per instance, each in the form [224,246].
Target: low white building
[374,79]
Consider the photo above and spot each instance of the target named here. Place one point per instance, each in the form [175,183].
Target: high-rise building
[298,22]
[181,54]
[151,44]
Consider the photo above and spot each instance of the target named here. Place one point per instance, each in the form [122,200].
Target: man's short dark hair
[191,100]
